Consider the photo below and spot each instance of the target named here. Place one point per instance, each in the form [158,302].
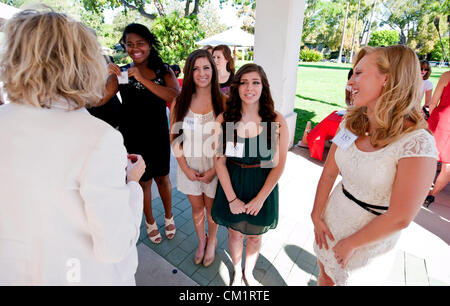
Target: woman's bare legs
[147,189]
[323,279]
[198,217]
[251,256]
[212,233]
[442,180]
[236,246]
[165,191]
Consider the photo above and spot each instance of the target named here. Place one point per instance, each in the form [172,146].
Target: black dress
[225,87]
[144,125]
[246,183]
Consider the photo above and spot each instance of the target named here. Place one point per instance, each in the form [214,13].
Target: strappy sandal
[170,233]
[153,227]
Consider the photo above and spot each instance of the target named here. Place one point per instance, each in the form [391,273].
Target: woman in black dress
[143,120]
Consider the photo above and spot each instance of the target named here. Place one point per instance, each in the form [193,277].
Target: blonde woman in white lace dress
[387,159]
[192,121]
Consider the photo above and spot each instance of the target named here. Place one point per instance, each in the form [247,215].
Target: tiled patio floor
[287,257]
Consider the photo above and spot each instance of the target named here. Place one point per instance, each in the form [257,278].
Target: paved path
[287,256]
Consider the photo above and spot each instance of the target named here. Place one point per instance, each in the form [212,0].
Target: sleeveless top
[246,183]
[198,151]
[144,125]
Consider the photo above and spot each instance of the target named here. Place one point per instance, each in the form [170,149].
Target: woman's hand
[254,206]
[114,69]
[135,168]
[321,230]
[343,251]
[207,176]
[237,206]
[191,174]
[134,72]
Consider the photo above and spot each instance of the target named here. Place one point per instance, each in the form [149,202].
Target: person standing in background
[439,123]
[427,87]
[225,67]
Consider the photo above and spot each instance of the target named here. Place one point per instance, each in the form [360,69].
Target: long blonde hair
[48,55]
[400,98]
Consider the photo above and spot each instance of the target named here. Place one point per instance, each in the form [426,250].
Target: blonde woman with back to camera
[70,201]
[387,159]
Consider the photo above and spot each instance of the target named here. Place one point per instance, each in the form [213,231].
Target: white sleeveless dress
[199,153]
[368,176]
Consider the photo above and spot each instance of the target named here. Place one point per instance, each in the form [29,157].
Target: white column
[278,34]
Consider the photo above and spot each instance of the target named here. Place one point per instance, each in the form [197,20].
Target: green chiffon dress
[247,182]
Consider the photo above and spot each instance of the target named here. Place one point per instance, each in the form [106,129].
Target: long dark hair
[184,99]
[233,112]
[154,60]
[227,54]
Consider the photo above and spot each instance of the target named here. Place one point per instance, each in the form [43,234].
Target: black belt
[366,206]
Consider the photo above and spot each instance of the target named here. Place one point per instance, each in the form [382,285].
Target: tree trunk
[354,31]
[196,7]
[343,33]
[159,8]
[141,10]
[187,8]
[370,22]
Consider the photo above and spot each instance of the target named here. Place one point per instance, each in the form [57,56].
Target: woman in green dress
[251,153]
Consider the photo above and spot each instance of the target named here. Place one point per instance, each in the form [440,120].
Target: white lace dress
[368,176]
[199,154]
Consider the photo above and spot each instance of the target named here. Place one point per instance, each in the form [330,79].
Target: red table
[325,130]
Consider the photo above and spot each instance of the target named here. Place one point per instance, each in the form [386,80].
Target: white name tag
[344,139]
[188,123]
[123,78]
[234,151]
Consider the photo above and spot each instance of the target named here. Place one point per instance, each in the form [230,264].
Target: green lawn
[321,90]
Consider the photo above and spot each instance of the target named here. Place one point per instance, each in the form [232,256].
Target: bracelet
[232,200]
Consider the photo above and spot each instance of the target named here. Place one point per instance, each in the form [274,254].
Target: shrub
[310,55]
[384,38]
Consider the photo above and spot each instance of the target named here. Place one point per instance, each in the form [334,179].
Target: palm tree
[354,31]
[343,33]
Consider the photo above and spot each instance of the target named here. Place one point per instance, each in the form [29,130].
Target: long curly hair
[233,112]
[400,98]
[183,100]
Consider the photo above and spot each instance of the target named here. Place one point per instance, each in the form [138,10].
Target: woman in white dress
[386,172]
[192,121]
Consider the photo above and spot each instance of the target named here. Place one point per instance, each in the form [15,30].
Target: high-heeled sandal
[428,201]
[156,239]
[170,233]
[207,262]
